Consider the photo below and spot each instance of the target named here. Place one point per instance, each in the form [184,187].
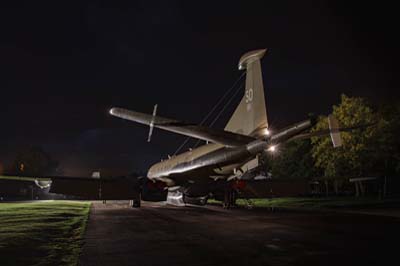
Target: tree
[370,150]
[384,152]
[292,159]
[350,159]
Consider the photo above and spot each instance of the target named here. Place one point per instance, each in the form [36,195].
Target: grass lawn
[318,203]
[42,233]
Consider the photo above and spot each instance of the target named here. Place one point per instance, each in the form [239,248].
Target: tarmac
[159,234]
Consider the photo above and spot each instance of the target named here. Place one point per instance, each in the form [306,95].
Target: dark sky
[64,64]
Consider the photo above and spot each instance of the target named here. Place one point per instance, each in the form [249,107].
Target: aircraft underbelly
[227,169]
[220,162]
[201,174]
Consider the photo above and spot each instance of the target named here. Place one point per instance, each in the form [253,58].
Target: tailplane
[334,131]
[250,116]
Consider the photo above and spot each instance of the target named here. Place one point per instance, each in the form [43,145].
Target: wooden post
[335,186]
[357,189]
[384,187]
[362,188]
[326,188]
[385,181]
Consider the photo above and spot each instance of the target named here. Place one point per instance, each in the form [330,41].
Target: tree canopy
[350,158]
[368,150]
[292,160]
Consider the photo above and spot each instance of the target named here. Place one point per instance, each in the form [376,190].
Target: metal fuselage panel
[199,161]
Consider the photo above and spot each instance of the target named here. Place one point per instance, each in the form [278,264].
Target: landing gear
[135,203]
[229,199]
[201,201]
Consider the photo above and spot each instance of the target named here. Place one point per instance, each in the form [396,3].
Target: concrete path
[378,212]
[166,235]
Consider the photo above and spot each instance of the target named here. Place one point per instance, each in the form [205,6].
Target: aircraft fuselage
[188,162]
[214,159]
[218,160]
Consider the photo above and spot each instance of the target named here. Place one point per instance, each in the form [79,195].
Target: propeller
[152,123]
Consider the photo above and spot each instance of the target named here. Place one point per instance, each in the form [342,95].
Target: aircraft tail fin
[250,115]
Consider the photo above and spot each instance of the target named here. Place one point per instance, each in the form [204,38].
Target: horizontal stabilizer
[334,131]
[223,137]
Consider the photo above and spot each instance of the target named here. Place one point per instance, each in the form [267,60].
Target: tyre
[136,203]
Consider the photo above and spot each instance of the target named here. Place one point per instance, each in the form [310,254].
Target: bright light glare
[111,111]
[267,132]
[272,148]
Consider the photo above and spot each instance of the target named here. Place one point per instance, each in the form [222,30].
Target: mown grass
[42,233]
[316,203]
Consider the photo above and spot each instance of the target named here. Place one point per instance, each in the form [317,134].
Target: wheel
[203,201]
[136,203]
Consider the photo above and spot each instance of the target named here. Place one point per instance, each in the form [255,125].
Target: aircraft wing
[295,131]
[223,137]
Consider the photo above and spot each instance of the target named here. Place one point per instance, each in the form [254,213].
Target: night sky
[64,64]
